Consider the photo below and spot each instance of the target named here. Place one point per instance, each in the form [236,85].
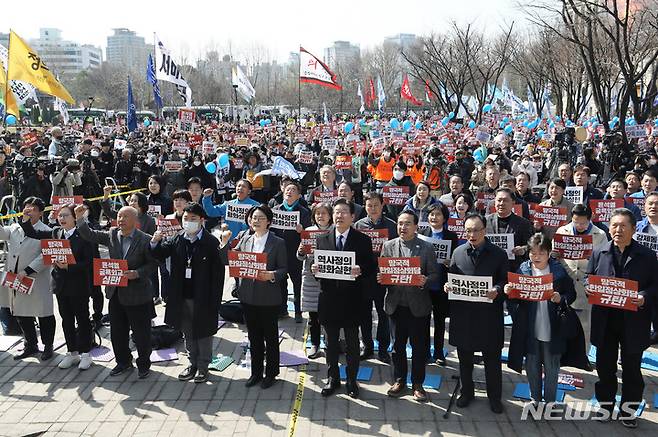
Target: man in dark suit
[375,294]
[131,307]
[612,328]
[410,306]
[339,303]
[196,284]
[504,221]
[478,326]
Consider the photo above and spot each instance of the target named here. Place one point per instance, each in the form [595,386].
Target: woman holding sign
[72,286]
[536,330]
[420,202]
[261,297]
[556,198]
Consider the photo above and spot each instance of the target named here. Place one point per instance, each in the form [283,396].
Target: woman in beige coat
[24,258]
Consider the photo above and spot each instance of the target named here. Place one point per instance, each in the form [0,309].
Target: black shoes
[331,387]
[298,318]
[47,353]
[352,389]
[496,406]
[201,376]
[384,357]
[121,368]
[268,382]
[464,399]
[187,374]
[253,380]
[315,352]
[143,373]
[27,352]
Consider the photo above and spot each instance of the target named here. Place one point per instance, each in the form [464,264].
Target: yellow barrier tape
[299,395]
[93,199]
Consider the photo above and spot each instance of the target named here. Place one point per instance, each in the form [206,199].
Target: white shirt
[653,229]
[258,243]
[67,234]
[344,236]
[542,320]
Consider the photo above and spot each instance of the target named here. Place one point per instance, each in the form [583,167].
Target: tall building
[4,39]
[65,58]
[403,40]
[126,48]
[341,53]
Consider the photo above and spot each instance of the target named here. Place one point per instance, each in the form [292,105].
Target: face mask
[410,163]
[652,162]
[386,155]
[197,163]
[94,154]
[525,162]
[191,228]
[398,174]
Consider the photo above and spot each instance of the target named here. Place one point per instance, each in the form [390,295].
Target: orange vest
[384,170]
[434,178]
[416,174]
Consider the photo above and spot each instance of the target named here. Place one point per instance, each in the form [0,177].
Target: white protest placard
[330,144]
[208,147]
[305,157]
[154,210]
[237,212]
[173,166]
[647,240]
[636,131]
[482,136]
[106,130]
[441,248]
[335,264]
[469,288]
[505,242]
[286,220]
[574,194]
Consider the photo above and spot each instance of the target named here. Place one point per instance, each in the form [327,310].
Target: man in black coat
[504,221]
[196,284]
[292,201]
[612,328]
[338,305]
[478,326]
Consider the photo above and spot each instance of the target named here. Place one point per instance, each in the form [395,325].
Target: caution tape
[93,199]
[299,394]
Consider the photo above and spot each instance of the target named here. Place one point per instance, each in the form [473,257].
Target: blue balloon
[451,115]
[505,119]
[147,122]
[656,122]
[223,160]
[478,155]
[540,135]
[445,121]
[488,107]
[443,141]
[11,120]
[262,123]
[362,122]
[419,124]
[501,124]
[433,125]
[532,125]
[525,123]
[349,126]
[540,132]
[407,125]
[557,118]
[395,123]
[472,124]
[211,168]
[508,129]
[595,124]
[612,124]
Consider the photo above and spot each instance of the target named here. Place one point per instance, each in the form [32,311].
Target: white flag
[168,71]
[313,70]
[60,105]
[360,94]
[326,117]
[381,95]
[242,84]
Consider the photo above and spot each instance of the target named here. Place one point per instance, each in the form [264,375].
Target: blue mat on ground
[432,381]
[364,374]
[507,321]
[592,354]
[650,361]
[638,412]
[522,391]
[566,387]
[322,344]
[504,355]
[655,400]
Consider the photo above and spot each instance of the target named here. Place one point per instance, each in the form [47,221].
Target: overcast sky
[278,25]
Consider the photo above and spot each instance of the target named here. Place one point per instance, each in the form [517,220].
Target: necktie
[339,246]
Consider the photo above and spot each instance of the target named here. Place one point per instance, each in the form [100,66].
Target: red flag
[370,99]
[405,92]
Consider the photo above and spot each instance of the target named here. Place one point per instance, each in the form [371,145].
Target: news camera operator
[59,146]
[66,178]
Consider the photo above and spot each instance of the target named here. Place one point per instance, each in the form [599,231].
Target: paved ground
[39,397]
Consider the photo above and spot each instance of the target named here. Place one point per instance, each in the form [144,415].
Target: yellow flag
[11,107]
[26,65]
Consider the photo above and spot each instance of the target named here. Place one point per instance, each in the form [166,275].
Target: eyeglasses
[64,215]
[258,218]
[473,230]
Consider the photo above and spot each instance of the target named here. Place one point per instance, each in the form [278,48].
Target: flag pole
[299,89]
[155,72]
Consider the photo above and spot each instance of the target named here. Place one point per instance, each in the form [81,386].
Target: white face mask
[410,163]
[191,228]
[197,163]
[386,155]
[94,154]
[398,174]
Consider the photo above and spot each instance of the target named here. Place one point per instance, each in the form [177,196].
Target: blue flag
[131,113]
[150,76]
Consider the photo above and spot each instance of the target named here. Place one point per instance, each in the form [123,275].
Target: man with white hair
[131,307]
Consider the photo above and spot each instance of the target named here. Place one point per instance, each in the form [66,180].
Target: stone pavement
[41,398]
